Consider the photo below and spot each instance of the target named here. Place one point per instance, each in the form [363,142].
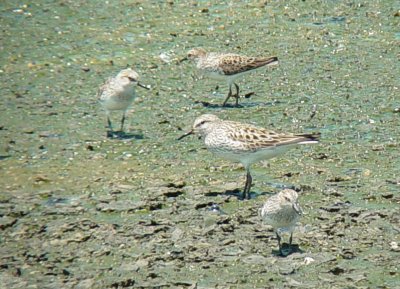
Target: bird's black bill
[183,59]
[185,135]
[142,85]
[273,60]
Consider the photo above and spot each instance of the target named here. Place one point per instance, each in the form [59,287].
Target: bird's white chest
[118,97]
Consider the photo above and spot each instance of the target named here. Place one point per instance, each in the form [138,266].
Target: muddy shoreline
[80,210]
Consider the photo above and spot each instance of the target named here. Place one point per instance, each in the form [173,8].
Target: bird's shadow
[238,194]
[287,250]
[52,201]
[232,105]
[282,186]
[121,135]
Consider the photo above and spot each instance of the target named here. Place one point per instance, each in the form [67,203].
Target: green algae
[339,56]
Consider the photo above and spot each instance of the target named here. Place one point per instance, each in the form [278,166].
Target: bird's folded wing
[232,63]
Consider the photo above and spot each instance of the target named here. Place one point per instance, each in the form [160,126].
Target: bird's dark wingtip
[313,136]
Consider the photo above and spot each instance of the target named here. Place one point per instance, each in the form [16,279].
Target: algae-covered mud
[80,210]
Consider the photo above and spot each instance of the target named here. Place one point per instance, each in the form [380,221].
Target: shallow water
[79,210]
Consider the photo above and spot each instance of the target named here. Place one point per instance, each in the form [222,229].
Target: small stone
[308,260]
[78,238]
[6,222]
[41,178]
[347,254]
[367,172]
[90,147]
[165,57]
[177,235]
[85,284]
[355,212]
[291,283]
[287,269]
[176,185]
[255,259]
[28,130]
[337,270]
[338,179]
[45,134]
[394,246]
[387,195]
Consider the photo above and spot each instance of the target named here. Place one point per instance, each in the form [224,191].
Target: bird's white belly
[250,157]
[284,219]
[116,105]
[229,78]
[118,101]
[216,75]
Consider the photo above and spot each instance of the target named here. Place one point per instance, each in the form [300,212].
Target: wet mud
[143,210]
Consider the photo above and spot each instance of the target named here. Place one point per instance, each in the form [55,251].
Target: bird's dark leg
[122,121]
[246,191]
[237,95]
[110,132]
[109,123]
[279,243]
[290,239]
[229,95]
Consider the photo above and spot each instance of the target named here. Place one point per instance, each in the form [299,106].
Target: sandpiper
[227,66]
[118,93]
[245,143]
[282,211]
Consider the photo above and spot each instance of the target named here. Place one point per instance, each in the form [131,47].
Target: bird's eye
[132,79]
[201,123]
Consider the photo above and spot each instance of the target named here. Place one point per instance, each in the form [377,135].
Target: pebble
[394,246]
[308,260]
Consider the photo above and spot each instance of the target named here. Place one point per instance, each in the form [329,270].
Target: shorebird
[118,93]
[282,211]
[227,66]
[245,143]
